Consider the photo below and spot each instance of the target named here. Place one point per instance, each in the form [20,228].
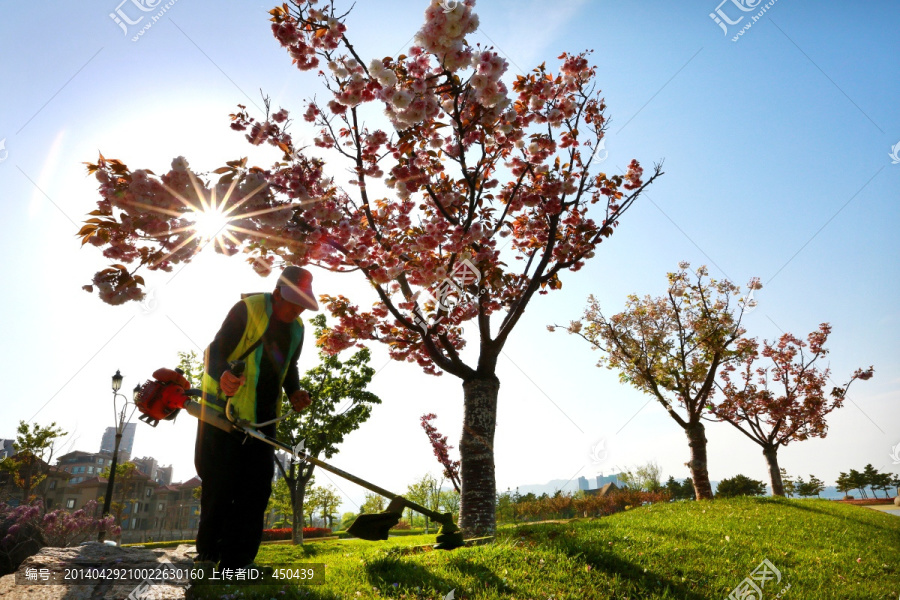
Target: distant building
[583,483]
[153,509]
[605,490]
[108,443]
[7,449]
[164,475]
[178,507]
[11,493]
[601,480]
[283,459]
[82,466]
[149,510]
[146,465]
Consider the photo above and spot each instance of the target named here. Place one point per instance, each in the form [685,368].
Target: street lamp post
[122,417]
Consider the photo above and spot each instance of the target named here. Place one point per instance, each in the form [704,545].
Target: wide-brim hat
[295,284]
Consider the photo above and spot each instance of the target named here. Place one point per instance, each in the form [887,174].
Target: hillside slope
[815,549]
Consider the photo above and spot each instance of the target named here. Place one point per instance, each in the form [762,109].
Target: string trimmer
[169,391]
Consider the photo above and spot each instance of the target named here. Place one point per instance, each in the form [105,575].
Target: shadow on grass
[599,557]
[394,576]
[274,553]
[649,580]
[876,529]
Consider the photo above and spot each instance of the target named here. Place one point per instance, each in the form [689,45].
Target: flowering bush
[25,529]
[566,506]
[63,528]
[285,533]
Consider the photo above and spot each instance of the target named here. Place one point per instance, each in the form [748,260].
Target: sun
[210,223]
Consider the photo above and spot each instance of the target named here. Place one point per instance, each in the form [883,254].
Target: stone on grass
[18,586]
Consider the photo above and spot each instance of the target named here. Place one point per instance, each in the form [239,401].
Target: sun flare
[210,223]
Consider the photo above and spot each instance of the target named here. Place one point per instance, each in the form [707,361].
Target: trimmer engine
[162,397]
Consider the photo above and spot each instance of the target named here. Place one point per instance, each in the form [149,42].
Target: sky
[777,158]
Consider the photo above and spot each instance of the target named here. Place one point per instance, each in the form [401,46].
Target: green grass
[682,550]
[394,532]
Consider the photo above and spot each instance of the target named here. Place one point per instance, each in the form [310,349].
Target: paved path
[890,509]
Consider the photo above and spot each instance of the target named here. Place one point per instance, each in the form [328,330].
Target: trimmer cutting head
[376,526]
[450,537]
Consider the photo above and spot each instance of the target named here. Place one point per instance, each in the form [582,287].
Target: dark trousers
[237,482]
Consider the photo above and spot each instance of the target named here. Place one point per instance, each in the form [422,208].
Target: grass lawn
[683,550]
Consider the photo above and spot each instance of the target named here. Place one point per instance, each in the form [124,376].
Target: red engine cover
[170,376]
[159,400]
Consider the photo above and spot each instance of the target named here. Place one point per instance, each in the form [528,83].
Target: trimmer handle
[237,367]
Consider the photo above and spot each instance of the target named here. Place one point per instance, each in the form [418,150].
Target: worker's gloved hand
[300,400]
[230,384]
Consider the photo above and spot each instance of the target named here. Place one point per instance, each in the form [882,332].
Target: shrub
[564,506]
[347,519]
[740,485]
[314,532]
[25,529]
[63,528]
[401,525]
[21,537]
[286,533]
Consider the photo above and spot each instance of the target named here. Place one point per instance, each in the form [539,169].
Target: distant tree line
[687,350]
[870,478]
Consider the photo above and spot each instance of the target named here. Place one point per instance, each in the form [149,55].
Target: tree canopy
[671,348]
[494,194]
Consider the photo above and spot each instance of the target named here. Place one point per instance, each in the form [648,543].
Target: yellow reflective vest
[243,404]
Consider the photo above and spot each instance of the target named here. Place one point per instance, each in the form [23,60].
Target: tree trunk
[697,441]
[771,454]
[478,495]
[297,525]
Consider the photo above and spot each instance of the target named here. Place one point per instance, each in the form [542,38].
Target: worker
[264,331]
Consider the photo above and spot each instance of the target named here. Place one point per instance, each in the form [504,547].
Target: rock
[127,569]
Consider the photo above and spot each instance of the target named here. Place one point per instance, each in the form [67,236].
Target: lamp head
[117,381]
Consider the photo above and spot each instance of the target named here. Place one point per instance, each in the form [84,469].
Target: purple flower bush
[27,528]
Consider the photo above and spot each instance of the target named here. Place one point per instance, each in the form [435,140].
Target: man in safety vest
[264,331]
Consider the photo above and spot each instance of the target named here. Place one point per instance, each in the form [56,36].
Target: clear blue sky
[777,165]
